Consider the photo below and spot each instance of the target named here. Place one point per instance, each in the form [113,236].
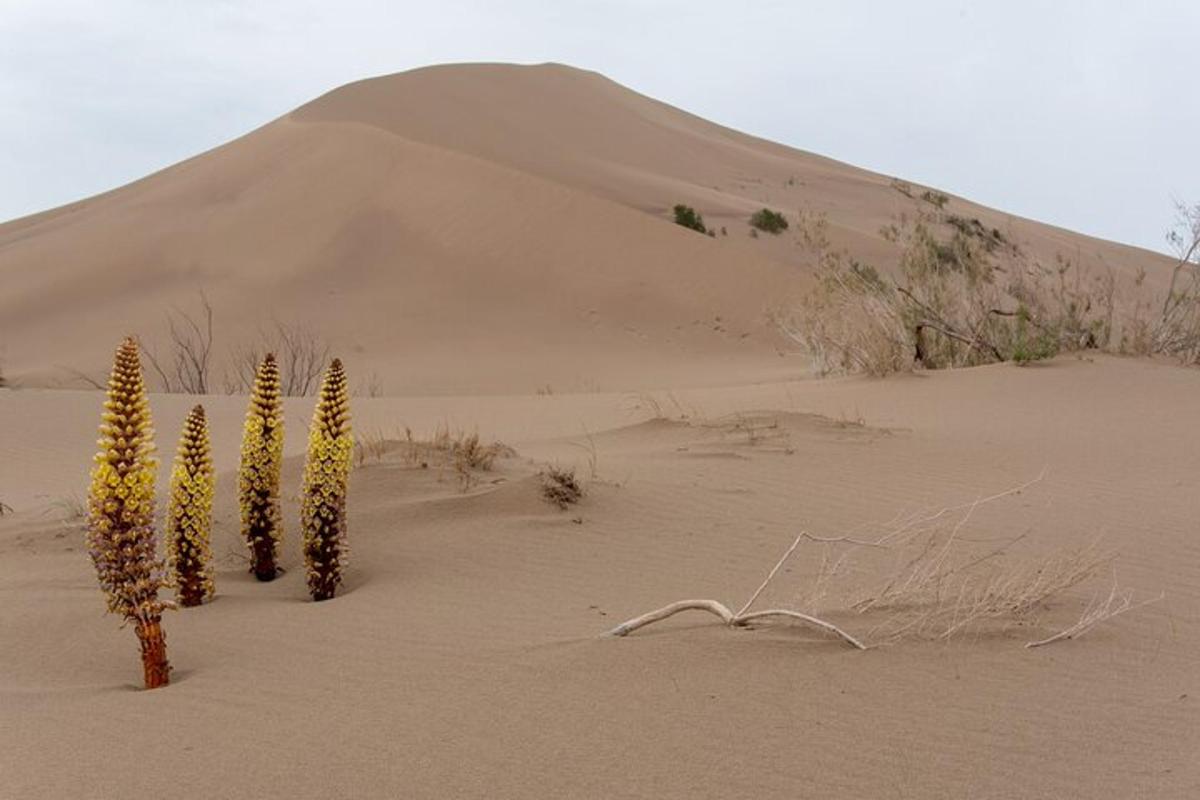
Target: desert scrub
[120,527]
[560,487]
[258,476]
[689,218]
[769,221]
[189,517]
[323,499]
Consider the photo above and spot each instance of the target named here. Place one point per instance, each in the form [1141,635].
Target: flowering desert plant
[326,470]
[258,476]
[120,528]
[189,518]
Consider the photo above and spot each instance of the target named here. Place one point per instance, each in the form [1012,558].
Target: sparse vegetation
[973,297]
[768,221]
[369,446]
[935,199]
[323,498]
[186,367]
[943,584]
[463,453]
[560,487]
[300,354]
[120,531]
[258,474]
[72,509]
[689,218]
[189,512]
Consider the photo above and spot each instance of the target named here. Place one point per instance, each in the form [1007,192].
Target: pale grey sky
[1083,114]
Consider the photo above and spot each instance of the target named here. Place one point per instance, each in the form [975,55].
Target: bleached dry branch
[1099,610]
[742,617]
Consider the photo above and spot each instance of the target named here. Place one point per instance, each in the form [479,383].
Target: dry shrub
[72,509]
[464,454]
[186,366]
[473,454]
[299,351]
[925,579]
[560,487]
[964,295]
[369,446]
[756,430]
[951,591]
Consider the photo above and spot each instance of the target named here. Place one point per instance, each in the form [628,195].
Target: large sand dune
[464,228]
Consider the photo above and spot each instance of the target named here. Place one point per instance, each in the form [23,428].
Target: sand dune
[477,228]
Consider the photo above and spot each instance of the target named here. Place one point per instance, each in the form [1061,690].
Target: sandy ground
[463,659]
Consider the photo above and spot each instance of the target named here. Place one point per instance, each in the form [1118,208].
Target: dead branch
[301,355]
[1113,605]
[741,618]
[83,376]
[711,606]
[185,369]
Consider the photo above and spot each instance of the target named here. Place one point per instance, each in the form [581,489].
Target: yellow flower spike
[189,519]
[258,477]
[323,498]
[120,530]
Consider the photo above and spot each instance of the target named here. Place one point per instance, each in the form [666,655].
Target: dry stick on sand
[932,592]
[744,616]
[1116,603]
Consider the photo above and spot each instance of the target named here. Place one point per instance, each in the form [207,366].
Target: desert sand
[492,243]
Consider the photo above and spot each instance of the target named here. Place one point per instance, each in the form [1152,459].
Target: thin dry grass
[370,446]
[1101,608]
[922,578]
[463,454]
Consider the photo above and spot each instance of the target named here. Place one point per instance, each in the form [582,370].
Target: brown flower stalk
[323,502]
[189,518]
[258,477]
[120,530]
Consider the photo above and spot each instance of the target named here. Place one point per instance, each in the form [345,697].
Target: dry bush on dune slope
[301,354]
[186,366]
[964,295]
[184,362]
[923,578]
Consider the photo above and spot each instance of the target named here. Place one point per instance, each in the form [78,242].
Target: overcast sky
[1083,114]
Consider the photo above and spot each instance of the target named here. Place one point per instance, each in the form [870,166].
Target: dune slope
[481,228]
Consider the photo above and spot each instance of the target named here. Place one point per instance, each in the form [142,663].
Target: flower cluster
[120,529]
[258,476]
[189,518]
[323,499]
